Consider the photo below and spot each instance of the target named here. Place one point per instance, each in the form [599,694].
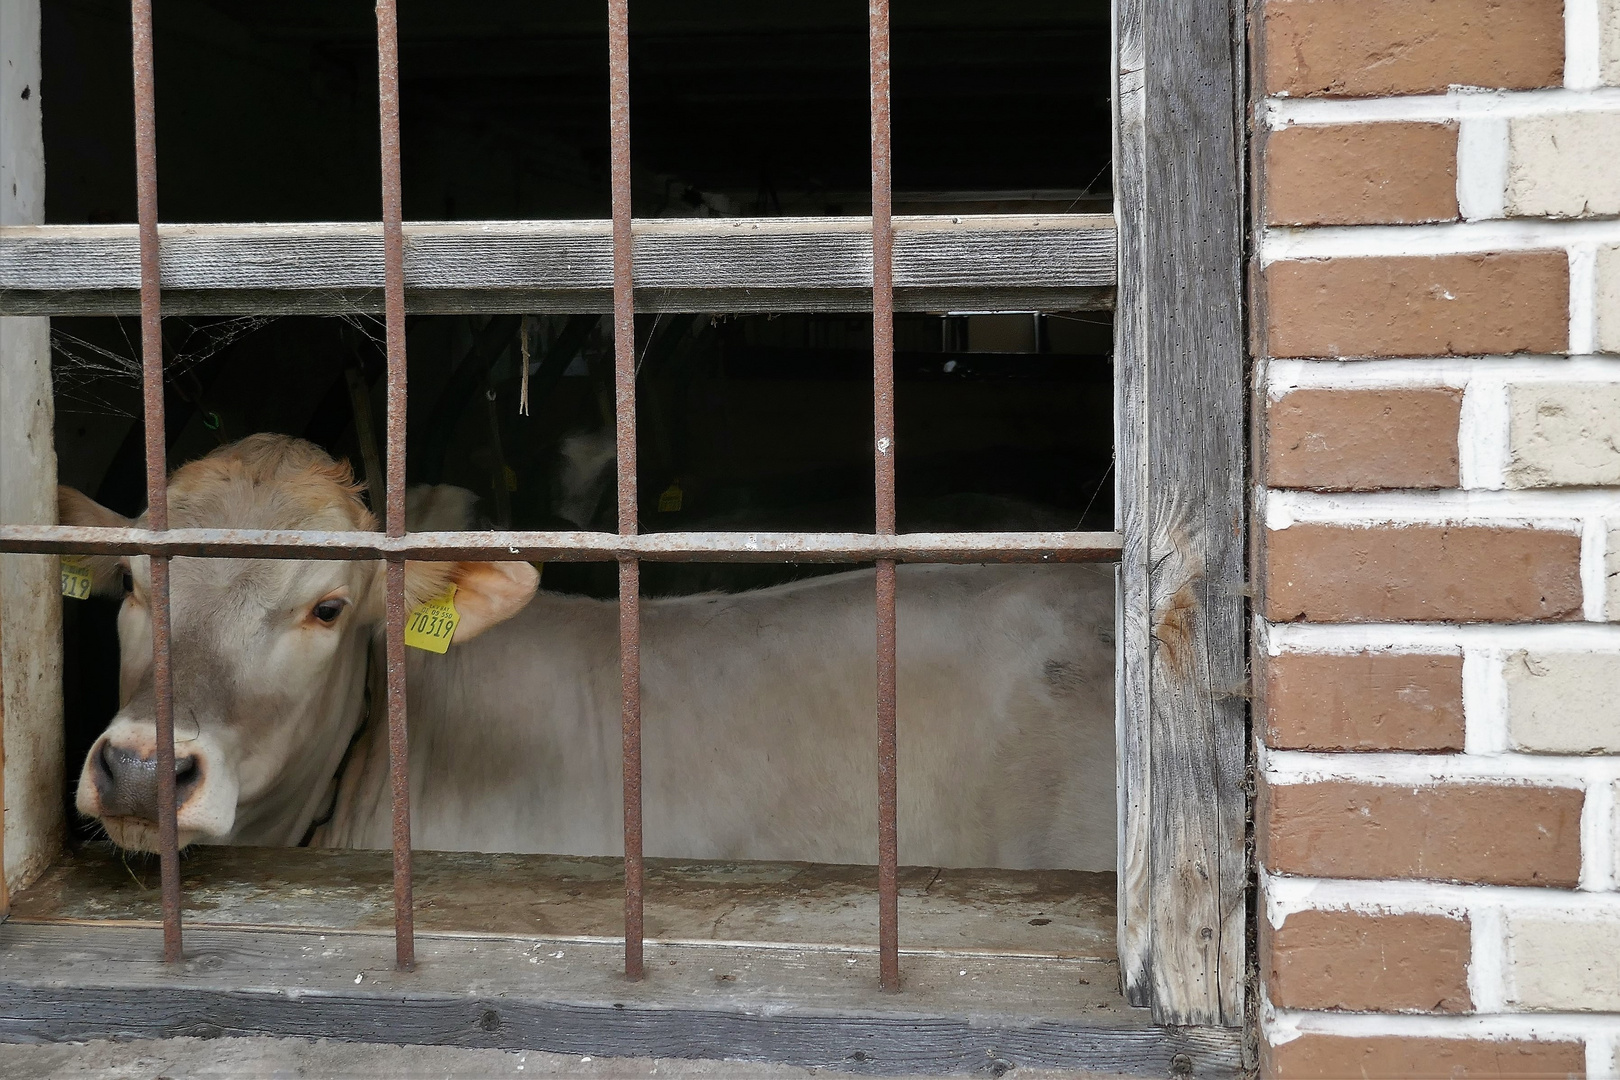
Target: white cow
[759,731]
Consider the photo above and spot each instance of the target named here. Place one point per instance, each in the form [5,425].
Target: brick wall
[1436,315]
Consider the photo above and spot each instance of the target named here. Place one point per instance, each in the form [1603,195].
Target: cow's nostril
[126,782]
[187,775]
[105,766]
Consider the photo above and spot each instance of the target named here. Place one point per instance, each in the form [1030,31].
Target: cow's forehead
[268,482]
[263,482]
[263,582]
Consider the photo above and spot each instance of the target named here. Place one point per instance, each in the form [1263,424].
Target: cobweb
[88,375]
[368,326]
[93,378]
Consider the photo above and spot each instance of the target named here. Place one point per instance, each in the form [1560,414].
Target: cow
[759,729]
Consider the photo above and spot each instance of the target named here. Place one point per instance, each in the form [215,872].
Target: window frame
[1184,875]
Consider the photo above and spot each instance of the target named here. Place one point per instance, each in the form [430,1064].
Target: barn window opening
[745,422]
[846,460]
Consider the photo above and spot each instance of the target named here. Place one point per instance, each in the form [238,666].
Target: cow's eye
[327,611]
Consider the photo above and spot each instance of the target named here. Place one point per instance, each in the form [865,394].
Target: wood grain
[1050,262]
[1180,446]
[1195,387]
[1133,739]
[806,1007]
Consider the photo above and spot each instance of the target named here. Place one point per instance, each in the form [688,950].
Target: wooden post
[1180,357]
[30,614]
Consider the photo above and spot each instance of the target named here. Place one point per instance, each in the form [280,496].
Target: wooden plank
[1033,913]
[1051,547]
[1133,735]
[30,616]
[812,1007]
[1020,262]
[1190,243]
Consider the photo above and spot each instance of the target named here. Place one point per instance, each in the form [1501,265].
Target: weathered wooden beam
[1180,359]
[1009,262]
[810,1007]
[763,547]
[1133,747]
[30,631]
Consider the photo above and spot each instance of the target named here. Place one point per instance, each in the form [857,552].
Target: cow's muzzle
[127,781]
[119,785]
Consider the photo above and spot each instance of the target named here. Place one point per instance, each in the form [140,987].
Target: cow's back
[759,730]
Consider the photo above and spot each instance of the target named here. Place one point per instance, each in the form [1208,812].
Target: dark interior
[268,112]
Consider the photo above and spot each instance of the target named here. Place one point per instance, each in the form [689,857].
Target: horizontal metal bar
[1012,261]
[760,547]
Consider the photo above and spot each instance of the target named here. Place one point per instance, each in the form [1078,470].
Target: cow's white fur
[759,730]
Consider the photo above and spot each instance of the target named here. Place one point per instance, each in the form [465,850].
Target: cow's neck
[334,714]
[541,689]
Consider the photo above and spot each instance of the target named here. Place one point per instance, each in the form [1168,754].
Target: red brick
[1367,963]
[1361,174]
[1477,833]
[1379,47]
[1419,305]
[1399,573]
[1364,701]
[1389,1057]
[1363,440]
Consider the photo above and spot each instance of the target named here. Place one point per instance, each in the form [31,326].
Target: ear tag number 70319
[431,625]
[76,578]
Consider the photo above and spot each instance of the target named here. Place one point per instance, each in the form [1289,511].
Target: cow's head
[269,657]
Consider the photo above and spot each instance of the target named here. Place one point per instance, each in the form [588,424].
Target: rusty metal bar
[882,271]
[729,547]
[157,493]
[394,493]
[888,785]
[399,774]
[883,445]
[630,696]
[624,383]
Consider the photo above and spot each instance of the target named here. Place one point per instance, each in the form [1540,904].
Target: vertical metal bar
[399,774]
[157,494]
[883,434]
[624,379]
[624,337]
[882,269]
[888,802]
[630,696]
[394,495]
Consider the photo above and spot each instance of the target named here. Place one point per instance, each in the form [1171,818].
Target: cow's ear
[76,508]
[487,593]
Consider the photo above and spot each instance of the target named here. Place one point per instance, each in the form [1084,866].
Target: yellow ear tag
[433,624]
[76,579]
[509,474]
[670,501]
